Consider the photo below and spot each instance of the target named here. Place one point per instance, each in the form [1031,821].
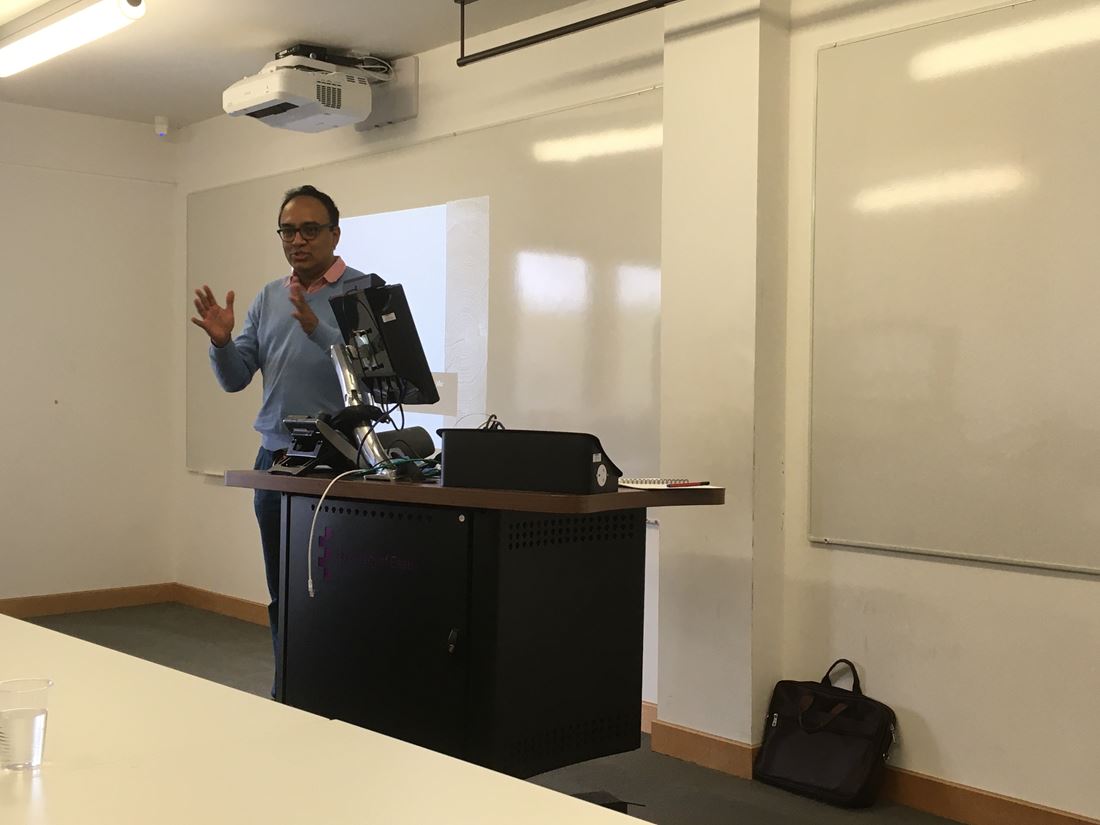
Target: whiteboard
[553,273]
[956,289]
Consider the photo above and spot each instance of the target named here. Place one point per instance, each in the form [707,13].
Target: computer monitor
[384,347]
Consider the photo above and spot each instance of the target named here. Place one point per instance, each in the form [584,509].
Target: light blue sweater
[298,374]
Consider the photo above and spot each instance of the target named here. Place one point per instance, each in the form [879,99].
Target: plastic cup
[23,722]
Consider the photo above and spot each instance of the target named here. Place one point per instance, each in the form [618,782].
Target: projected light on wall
[410,247]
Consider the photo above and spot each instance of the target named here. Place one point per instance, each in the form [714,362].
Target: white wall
[708,352]
[769,459]
[993,671]
[86,217]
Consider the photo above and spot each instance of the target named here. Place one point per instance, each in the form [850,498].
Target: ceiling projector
[306,94]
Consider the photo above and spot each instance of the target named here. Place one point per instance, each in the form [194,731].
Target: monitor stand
[370,452]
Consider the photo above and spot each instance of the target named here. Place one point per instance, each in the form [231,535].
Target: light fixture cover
[33,39]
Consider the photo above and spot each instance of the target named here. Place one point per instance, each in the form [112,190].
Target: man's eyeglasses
[309,231]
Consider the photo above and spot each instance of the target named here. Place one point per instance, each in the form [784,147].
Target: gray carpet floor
[666,790]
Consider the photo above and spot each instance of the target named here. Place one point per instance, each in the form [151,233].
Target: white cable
[380,70]
[377,74]
[471,415]
[378,61]
[313,525]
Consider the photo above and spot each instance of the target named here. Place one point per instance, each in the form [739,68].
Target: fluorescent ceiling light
[58,27]
[948,187]
[611,142]
[1009,44]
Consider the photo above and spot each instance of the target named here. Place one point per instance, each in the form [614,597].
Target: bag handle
[807,703]
[855,676]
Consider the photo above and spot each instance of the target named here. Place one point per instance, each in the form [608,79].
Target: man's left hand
[302,310]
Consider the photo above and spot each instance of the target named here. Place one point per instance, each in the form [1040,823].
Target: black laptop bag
[826,742]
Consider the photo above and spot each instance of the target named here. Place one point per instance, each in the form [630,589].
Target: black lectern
[500,627]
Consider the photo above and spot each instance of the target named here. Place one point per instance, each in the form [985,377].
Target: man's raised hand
[303,312]
[216,321]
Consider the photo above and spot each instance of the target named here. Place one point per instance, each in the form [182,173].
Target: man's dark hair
[313,192]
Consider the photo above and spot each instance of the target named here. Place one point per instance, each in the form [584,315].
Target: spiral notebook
[660,483]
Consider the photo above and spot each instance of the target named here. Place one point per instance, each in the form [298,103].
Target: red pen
[688,484]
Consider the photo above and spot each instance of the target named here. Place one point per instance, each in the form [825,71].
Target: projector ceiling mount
[378,66]
[608,17]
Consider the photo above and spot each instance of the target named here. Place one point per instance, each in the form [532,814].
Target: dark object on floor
[605,800]
[825,742]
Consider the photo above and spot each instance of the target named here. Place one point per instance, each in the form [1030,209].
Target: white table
[129,741]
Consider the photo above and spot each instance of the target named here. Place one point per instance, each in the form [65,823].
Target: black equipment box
[467,631]
[535,460]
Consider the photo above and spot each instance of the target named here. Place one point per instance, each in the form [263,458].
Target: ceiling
[177,60]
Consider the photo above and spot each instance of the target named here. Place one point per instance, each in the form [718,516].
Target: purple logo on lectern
[324,542]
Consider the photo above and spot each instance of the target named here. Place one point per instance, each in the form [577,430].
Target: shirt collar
[331,276]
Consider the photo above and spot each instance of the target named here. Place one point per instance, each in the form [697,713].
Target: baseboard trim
[970,806]
[25,607]
[704,749]
[649,716]
[242,609]
[53,604]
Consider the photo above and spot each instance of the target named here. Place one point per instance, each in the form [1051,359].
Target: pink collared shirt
[331,276]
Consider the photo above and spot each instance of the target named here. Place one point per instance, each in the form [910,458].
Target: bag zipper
[892,743]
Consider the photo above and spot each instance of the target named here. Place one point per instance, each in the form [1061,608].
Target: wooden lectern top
[367,489]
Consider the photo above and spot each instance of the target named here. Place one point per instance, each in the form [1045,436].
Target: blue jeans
[268,509]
